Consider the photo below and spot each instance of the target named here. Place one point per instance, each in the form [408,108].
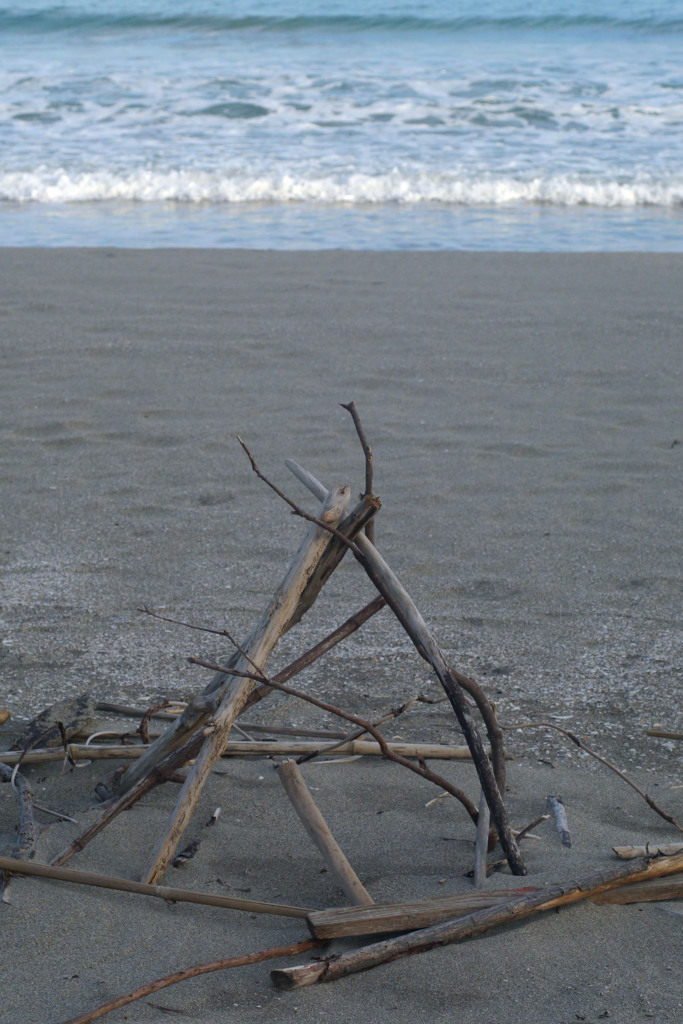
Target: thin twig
[296,509]
[367,452]
[193,972]
[422,771]
[603,760]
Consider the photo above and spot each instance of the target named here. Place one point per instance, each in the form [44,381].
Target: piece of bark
[310,569]
[319,831]
[410,618]
[74,714]
[344,922]
[4,716]
[560,815]
[164,892]
[477,923]
[649,850]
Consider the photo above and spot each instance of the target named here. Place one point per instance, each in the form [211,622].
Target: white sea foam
[46,185]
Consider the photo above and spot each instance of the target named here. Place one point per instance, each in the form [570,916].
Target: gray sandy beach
[525,416]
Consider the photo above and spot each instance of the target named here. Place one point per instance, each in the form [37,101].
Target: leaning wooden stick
[164,892]
[410,618]
[317,557]
[193,972]
[319,831]
[477,923]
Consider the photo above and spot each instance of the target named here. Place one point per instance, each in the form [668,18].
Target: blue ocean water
[498,124]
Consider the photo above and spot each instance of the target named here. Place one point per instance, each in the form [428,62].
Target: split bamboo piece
[477,923]
[319,831]
[644,892]
[343,922]
[164,892]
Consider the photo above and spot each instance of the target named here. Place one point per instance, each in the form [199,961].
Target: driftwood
[238,748]
[481,845]
[649,850]
[453,683]
[28,832]
[164,892]
[644,892]
[420,767]
[665,734]
[4,716]
[314,563]
[577,741]
[319,831]
[560,814]
[344,922]
[192,972]
[476,923]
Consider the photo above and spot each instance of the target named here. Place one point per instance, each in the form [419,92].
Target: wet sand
[525,414]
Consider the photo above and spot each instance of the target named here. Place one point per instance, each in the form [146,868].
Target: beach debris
[577,741]
[214,818]
[560,813]
[185,854]
[202,729]
[664,734]
[28,832]
[278,953]
[649,850]
[62,720]
[4,716]
[318,830]
[476,923]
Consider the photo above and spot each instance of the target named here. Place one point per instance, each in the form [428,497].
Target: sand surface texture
[525,414]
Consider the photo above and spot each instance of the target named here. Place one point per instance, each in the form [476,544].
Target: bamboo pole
[319,831]
[164,892]
[410,618]
[477,923]
[240,748]
[317,558]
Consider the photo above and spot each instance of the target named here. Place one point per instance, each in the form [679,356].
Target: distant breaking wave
[59,19]
[185,186]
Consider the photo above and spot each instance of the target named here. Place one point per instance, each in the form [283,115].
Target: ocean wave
[61,19]
[46,186]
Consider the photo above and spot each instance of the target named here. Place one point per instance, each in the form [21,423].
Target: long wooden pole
[410,618]
[164,892]
[477,923]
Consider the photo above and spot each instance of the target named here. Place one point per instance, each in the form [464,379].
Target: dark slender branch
[603,760]
[367,451]
[391,755]
[193,972]
[357,733]
[296,509]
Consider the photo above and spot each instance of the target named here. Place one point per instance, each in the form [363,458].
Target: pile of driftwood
[204,731]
